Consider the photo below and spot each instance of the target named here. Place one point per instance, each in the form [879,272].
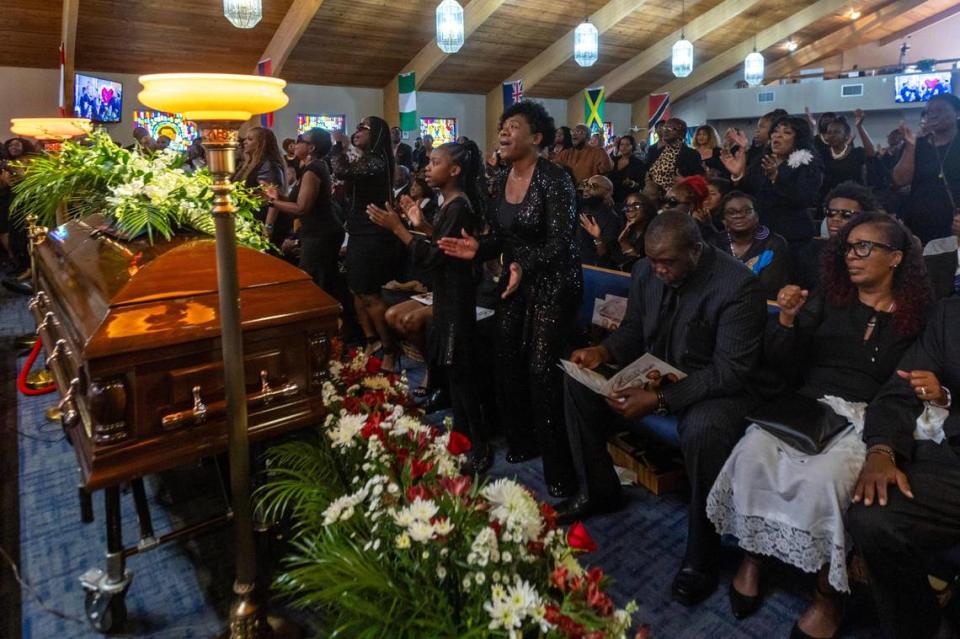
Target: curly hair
[911,289]
[536,116]
[803,136]
[852,191]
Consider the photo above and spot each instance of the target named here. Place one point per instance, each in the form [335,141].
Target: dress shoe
[520,456]
[478,462]
[691,586]
[579,507]
[796,633]
[743,605]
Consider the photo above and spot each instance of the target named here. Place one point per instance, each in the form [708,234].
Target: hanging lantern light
[682,61]
[586,44]
[449,26]
[753,69]
[243,14]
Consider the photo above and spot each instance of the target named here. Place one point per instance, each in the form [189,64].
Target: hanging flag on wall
[63,79]
[265,68]
[407,86]
[659,109]
[593,101]
[512,92]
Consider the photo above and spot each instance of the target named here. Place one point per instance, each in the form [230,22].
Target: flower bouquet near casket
[390,540]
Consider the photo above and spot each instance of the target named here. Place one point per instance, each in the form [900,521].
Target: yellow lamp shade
[50,128]
[213,96]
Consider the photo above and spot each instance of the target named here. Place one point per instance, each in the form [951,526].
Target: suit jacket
[891,416]
[688,162]
[404,155]
[716,332]
[942,268]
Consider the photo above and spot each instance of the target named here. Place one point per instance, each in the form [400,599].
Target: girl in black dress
[374,255]
[453,169]
[843,162]
[533,221]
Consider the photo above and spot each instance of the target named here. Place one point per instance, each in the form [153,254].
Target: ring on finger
[923,391]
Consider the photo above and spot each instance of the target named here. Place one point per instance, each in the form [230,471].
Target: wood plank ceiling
[366,42]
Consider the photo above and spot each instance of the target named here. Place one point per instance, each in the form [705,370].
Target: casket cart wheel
[106,612]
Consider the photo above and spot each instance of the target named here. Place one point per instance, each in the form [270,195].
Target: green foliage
[142,195]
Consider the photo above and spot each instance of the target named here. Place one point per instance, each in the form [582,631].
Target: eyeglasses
[846,214]
[732,212]
[636,206]
[672,128]
[864,248]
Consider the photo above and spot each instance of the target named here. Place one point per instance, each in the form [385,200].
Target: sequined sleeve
[560,221]
[365,165]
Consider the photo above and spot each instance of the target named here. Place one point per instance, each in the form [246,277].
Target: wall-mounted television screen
[442,130]
[181,132]
[920,87]
[98,99]
[329,121]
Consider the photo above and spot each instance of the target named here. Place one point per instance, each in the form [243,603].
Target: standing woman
[844,162]
[263,165]
[706,142]
[785,183]
[562,140]
[931,166]
[533,221]
[628,172]
[321,234]
[373,253]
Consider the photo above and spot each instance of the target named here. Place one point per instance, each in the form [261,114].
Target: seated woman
[638,211]
[688,195]
[599,223]
[843,202]
[759,249]
[781,502]
[717,189]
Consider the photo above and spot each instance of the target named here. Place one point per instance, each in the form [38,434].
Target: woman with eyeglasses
[757,248]
[629,171]
[638,211]
[599,223]
[837,348]
[365,163]
[786,181]
[843,203]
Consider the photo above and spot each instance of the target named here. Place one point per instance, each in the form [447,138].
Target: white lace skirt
[786,504]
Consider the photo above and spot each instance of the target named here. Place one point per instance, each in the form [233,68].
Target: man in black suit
[401,150]
[701,311]
[907,501]
[943,268]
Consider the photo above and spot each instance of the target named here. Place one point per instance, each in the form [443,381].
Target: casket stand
[132,336]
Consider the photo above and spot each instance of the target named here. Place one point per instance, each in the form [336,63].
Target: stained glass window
[328,121]
[181,132]
[442,130]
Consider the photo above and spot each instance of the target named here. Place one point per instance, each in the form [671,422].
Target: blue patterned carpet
[181,589]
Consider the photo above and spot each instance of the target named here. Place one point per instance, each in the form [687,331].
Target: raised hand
[735,163]
[770,166]
[908,136]
[791,299]
[412,211]
[464,248]
[858,116]
[590,225]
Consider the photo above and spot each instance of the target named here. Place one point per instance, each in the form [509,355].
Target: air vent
[851,90]
[765,97]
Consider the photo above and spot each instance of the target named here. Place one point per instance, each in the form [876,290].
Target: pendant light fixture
[682,60]
[449,26]
[753,67]
[586,44]
[243,14]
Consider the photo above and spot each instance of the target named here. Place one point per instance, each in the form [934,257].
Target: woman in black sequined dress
[533,220]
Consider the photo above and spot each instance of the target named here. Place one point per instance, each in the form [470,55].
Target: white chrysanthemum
[378,382]
[403,517]
[514,508]
[403,541]
[800,157]
[443,527]
[345,433]
[424,510]
[420,531]
[407,424]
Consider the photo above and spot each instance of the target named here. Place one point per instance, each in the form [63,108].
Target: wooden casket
[132,334]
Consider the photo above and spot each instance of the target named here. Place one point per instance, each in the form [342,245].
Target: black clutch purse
[801,422]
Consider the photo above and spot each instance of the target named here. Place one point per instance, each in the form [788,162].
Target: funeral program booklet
[631,376]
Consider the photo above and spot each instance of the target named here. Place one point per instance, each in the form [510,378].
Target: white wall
[938,41]
[26,93]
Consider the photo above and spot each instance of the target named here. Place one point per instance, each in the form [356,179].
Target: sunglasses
[732,212]
[864,248]
[846,214]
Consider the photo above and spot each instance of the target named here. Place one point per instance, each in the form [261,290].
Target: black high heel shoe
[837,599]
[743,605]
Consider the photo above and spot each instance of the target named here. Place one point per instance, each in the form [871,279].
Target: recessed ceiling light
[853,14]
[790,45]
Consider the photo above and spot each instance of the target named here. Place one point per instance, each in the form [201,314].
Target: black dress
[534,323]
[784,205]
[321,234]
[373,253]
[634,172]
[271,173]
[452,338]
[849,168]
[929,211]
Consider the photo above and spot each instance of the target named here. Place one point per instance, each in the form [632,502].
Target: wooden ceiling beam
[431,56]
[731,58]
[862,31]
[604,18]
[288,34]
[922,24]
[649,58]
[68,37]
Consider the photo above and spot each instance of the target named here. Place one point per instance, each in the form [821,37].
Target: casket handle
[199,408]
[201,411]
[68,408]
[59,349]
[48,320]
[40,299]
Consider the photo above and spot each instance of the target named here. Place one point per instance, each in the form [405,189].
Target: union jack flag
[512,92]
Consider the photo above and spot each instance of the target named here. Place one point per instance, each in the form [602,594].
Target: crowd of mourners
[805,285]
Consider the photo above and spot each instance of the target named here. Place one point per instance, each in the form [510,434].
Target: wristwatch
[661,409]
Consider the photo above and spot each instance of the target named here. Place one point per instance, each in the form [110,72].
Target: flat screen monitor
[328,121]
[920,87]
[98,99]
[181,132]
[442,130]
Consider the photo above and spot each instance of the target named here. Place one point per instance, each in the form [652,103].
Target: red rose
[458,444]
[579,539]
[374,365]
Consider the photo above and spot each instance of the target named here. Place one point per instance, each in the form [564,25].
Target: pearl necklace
[842,154]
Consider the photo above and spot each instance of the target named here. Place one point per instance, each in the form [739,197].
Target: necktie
[665,321]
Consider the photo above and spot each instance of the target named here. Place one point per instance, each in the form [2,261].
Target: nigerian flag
[407,83]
